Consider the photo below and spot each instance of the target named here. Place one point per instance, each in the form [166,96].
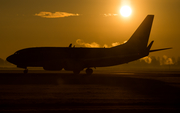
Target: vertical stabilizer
[139,39]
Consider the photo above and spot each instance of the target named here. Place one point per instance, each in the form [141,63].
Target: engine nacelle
[52,68]
[71,65]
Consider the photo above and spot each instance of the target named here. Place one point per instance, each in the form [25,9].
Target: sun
[125,11]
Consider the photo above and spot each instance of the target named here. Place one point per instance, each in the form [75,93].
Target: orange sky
[35,23]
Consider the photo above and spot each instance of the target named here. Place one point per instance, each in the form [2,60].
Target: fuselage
[70,57]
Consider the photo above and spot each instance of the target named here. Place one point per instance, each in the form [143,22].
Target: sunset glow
[125,11]
[57,23]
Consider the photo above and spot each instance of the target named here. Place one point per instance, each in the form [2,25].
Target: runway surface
[112,92]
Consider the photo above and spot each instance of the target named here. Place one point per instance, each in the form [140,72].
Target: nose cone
[10,59]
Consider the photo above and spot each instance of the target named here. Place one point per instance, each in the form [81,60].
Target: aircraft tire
[89,71]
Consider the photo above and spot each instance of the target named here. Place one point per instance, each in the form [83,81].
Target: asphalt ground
[125,92]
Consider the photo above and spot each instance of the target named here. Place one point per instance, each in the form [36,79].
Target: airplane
[77,59]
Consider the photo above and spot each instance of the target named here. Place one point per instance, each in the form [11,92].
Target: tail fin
[140,38]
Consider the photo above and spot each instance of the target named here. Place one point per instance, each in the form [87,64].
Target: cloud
[166,61]
[55,15]
[115,44]
[147,59]
[107,15]
[81,42]
[94,44]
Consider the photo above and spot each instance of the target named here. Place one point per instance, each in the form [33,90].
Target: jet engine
[52,68]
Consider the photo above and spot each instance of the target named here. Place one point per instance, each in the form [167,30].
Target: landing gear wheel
[25,71]
[76,72]
[89,71]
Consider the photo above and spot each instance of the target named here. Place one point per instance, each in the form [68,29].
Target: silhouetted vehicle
[77,58]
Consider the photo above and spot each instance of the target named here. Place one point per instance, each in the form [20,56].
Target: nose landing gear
[25,71]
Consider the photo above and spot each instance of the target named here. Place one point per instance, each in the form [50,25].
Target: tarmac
[125,92]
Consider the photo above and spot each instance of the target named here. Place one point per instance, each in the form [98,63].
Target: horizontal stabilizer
[159,49]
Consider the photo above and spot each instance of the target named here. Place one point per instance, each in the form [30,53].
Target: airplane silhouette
[77,59]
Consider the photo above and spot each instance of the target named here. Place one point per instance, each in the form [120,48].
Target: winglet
[70,45]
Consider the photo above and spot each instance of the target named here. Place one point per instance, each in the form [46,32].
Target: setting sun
[125,11]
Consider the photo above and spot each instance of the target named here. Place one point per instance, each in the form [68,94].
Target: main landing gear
[89,71]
